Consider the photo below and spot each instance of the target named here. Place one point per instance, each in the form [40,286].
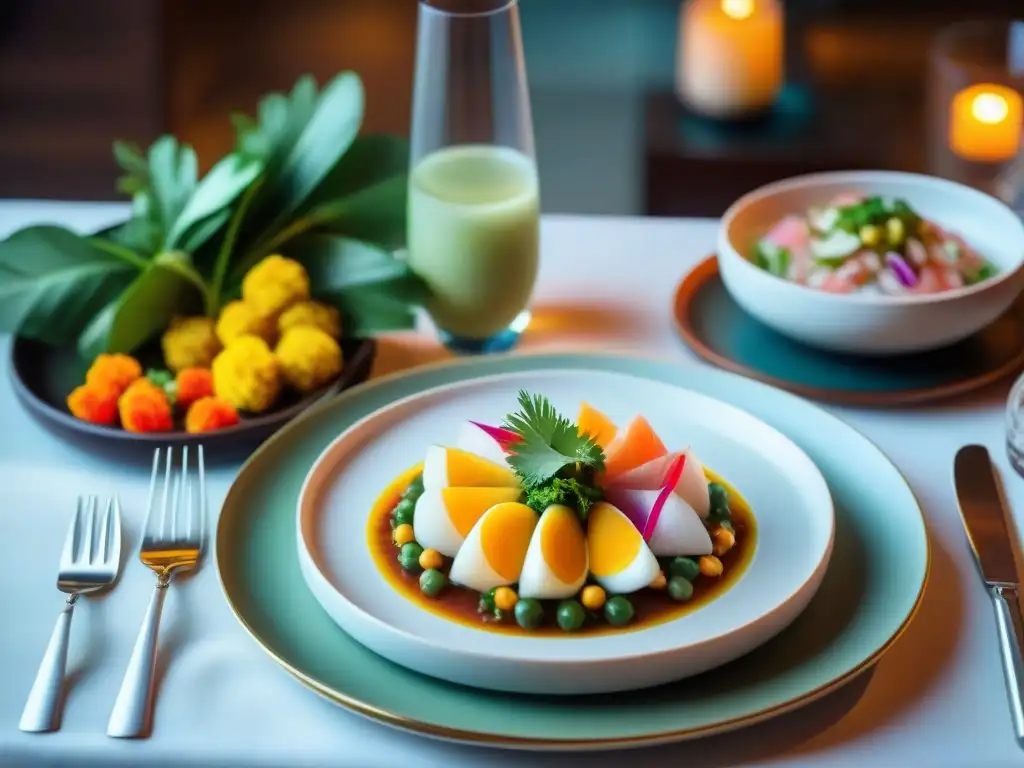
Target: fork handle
[42,709]
[133,707]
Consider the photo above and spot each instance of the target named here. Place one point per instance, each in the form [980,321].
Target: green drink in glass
[473,194]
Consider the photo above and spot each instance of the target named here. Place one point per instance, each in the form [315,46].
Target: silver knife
[985,520]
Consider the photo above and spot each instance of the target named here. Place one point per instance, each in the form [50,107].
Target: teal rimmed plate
[718,330]
[873,586]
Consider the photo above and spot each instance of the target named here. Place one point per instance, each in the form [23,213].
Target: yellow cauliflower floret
[275,284]
[309,358]
[247,374]
[239,318]
[190,342]
[311,313]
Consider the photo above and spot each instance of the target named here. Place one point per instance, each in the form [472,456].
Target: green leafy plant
[555,463]
[300,181]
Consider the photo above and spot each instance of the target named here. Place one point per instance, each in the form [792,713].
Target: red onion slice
[671,479]
[902,270]
[506,438]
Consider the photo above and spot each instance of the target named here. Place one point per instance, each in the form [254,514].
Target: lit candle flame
[738,9]
[990,108]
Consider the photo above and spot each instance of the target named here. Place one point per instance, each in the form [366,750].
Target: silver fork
[172,541]
[89,561]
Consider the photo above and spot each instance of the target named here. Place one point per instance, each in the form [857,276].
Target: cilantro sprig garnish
[554,462]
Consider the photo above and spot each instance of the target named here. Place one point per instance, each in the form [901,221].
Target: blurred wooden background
[75,75]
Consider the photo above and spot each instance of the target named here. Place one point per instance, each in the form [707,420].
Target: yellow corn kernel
[403,534]
[870,235]
[723,540]
[431,558]
[710,566]
[895,231]
[505,598]
[592,597]
[659,581]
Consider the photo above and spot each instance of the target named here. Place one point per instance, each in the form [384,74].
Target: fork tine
[115,522]
[202,498]
[88,532]
[151,504]
[190,509]
[68,554]
[104,543]
[167,489]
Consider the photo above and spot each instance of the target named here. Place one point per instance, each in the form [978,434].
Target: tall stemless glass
[474,206]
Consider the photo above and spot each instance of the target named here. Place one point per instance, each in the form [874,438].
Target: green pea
[432,582]
[570,615]
[728,526]
[404,512]
[487,602]
[680,589]
[409,556]
[416,484]
[618,611]
[529,613]
[684,567]
[719,501]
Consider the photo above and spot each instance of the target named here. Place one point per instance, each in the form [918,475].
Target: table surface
[936,699]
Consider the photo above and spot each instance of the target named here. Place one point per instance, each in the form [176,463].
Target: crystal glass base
[502,341]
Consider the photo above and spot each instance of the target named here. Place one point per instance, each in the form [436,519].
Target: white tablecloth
[936,699]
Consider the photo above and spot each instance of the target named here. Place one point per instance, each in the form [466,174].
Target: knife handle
[1011,643]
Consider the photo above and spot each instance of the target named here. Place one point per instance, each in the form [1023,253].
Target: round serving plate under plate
[871,590]
[43,376]
[714,326]
[790,499]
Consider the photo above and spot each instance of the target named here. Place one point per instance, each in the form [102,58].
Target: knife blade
[985,519]
[984,516]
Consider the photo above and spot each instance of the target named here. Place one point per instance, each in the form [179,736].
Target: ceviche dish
[859,244]
[545,525]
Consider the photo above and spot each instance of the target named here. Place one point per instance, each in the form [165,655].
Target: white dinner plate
[789,497]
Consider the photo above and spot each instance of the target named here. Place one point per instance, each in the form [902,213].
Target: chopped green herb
[773,258]
[548,442]
[568,491]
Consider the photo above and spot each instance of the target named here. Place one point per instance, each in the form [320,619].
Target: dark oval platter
[43,376]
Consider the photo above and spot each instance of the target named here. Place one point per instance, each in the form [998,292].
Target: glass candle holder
[976,101]
[730,61]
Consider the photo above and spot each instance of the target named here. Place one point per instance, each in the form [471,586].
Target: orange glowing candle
[985,123]
[730,58]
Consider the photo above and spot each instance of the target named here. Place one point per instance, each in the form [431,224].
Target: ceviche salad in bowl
[872,262]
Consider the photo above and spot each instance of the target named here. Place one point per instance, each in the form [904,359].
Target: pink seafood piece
[934,279]
[846,199]
[793,234]
[646,477]
[836,283]
[691,486]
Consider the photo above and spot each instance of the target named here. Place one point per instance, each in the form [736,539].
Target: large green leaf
[372,289]
[372,159]
[52,281]
[164,290]
[173,174]
[219,188]
[323,141]
[375,214]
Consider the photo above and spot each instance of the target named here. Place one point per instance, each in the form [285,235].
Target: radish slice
[505,437]
[679,530]
[901,269]
[670,483]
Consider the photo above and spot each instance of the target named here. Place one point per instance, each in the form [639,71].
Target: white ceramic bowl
[788,495]
[864,323]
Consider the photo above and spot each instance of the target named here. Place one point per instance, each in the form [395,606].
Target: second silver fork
[89,562]
[172,541]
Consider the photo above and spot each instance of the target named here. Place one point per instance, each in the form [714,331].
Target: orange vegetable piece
[595,424]
[193,384]
[116,371]
[144,407]
[95,403]
[210,413]
[636,444]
